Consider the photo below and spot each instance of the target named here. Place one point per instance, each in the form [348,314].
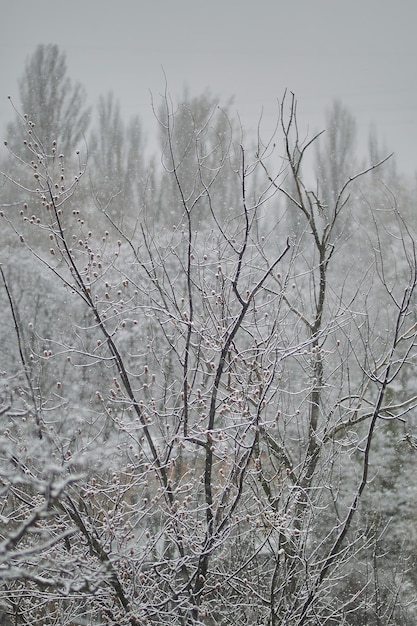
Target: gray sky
[362,51]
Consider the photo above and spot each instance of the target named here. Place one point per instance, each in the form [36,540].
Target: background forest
[207,368]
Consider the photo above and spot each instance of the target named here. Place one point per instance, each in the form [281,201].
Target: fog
[360,52]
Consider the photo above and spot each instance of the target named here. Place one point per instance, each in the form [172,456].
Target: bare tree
[341,396]
[200,148]
[207,456]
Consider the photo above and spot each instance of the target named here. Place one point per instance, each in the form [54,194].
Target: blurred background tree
[52,101]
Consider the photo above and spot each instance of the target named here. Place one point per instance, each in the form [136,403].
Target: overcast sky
[361,51]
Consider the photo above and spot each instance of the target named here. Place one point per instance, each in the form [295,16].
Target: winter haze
[208,336]
[362,52]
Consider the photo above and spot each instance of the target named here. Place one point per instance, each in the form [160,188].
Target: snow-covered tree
[202,450]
